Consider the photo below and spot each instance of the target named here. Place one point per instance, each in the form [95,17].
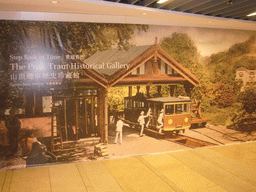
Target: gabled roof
[114,56]
[184,72]
[157,52]
[134,57]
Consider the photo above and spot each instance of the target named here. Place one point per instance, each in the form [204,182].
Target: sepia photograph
[75,92]
[127,96]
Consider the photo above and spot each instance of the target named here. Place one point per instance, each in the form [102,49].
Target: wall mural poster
[86,91]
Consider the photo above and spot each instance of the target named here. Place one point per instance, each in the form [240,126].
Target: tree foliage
[181,47]
[248,98]
[24,37]
[222,68]
[223,65]
[116,98]
[76,38]
[244,118]
[223,95]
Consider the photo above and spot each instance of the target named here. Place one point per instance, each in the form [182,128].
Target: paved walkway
[223,168]
[134,145]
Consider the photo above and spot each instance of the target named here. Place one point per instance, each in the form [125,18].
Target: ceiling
[198,13]
[235,9]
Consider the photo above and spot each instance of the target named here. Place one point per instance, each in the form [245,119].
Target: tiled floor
[223,168]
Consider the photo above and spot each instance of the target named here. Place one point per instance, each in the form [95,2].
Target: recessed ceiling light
[161,1]
[54,2]
[251,14]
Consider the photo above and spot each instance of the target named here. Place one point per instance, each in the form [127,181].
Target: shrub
[248,98]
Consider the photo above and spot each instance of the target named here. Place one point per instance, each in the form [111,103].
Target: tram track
[217,131]
[188,141]
[184,140]
[208,137]
[226,134]
[193,142]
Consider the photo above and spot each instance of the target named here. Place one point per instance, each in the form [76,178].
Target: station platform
[230,167]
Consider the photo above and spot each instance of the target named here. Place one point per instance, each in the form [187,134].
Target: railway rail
[189,141]
[179,139]
[214,130]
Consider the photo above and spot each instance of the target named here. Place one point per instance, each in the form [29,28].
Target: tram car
[134,105]
[178,113]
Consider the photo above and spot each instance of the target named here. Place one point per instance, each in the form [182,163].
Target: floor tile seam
[224,168]
[4,181]
[64,165]
[9,188]
[103,162]
[48,169]
[217,184]
[83,179]
[10,182]
[235,158]
[159,174]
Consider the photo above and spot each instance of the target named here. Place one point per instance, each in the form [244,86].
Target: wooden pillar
[159,87]
[147,89]
[172,89]
[138,89]
[85,117]
[130,91]
[102,115]
[188,89]
[106,120]
[76,118]
[93,115]
[65,117]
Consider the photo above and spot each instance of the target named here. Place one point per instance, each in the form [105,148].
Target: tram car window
[169,109]
[186,107]
[178,109]
[128,104]
[175,112]
[133,107]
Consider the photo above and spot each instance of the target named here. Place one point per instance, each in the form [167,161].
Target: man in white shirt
[119,130]
[141,121]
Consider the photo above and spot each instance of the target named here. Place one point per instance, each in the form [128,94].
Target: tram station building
[65,114]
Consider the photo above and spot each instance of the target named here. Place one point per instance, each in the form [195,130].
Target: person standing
[119,130]
[141,121]
[150,117]
[160,121]
[13,125]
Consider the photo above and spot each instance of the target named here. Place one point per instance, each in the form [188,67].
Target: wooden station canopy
[139,65]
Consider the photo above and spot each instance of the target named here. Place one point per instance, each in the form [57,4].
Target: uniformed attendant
[119,130]
[141,121]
